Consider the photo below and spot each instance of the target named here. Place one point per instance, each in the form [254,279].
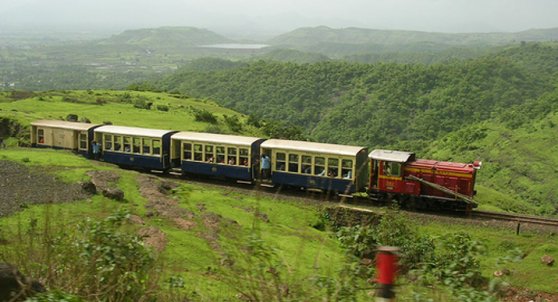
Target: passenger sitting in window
[348,175]
[232,161]
[210,159]
[322,173]
[306,169]
[126,148]
[330,173]
[245,162]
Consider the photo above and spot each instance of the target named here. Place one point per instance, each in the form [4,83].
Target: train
[385,175]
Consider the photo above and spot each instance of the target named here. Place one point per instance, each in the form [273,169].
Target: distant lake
[236,46]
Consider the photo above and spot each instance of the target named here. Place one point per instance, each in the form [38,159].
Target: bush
[233,123]
[162,107]
[72,117]
[202,115]
[143,103]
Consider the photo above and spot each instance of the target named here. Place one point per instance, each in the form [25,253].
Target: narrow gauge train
[382,174]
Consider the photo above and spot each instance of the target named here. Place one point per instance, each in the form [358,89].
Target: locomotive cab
[387,172]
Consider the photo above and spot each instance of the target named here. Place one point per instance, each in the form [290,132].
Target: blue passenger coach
[141,148]
[326,167]
[220,155]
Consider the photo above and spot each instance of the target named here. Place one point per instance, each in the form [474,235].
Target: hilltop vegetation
[398,106]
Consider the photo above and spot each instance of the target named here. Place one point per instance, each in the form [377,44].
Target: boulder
[115,194]
[89,187]
[548,260]
[502,272]
[14,286]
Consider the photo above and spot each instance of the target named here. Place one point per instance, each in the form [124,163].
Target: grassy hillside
[520,155]
[207,243]
[125,108]
[228,245]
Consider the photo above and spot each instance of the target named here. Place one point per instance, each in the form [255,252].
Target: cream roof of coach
[312,147]
[215,138]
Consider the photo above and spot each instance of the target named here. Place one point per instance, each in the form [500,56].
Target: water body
[235,46]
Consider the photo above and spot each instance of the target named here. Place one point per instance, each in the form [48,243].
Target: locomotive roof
[312,147]
[133,131]
[391,155]
[215,138]
[64,125]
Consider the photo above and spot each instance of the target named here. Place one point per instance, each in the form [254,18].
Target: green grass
[304,250]
[519,171]
[500,243]
[119,109]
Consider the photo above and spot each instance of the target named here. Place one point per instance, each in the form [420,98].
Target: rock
[548,260]
[502,272]
[366,261]
[135,219]
[14,286]
[115,194]
[89,187]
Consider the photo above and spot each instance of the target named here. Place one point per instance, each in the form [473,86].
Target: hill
[172,37]
[390,105]
[174,239]
[372,45]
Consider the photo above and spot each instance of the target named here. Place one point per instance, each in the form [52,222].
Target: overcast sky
[246,17]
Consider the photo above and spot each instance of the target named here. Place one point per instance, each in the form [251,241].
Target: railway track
[362,204]
[515,218]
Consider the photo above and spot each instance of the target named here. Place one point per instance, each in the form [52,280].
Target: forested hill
[166,37]
[400,105]
[501,109]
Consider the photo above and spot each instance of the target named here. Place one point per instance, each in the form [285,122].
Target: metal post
[386,267]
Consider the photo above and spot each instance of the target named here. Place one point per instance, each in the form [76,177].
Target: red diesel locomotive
[422,183]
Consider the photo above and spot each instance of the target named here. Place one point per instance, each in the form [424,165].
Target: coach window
[83,140]
[243,157]
[220,151]
[280,162]
[136,145]
[156,147]
[108,141]
[127,144]
[187,151]
[231,156]
[319,166]
[41,136]
[209,155]
[347,169]
[306,164]
[392,169]
[117,143]
[293,163]
[332,167]
[146,146]
[198,152]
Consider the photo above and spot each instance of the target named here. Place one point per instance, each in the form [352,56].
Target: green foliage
[202,115]
[54,296]
[143,103]
[163,107]
[115,262]
[233,123]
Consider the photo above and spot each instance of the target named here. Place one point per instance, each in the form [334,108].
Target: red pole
[386,268]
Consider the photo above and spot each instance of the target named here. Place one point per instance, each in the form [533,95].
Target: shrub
[233,122]
[202,115]
[72,117]
[143,103]
[162,107]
